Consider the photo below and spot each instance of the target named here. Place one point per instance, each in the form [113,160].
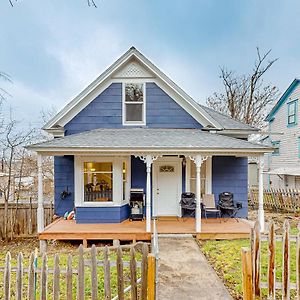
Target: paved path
[185,274]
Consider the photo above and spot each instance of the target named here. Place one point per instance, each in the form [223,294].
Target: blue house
[134,128]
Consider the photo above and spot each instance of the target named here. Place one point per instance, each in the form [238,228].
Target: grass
[225,257]
[64,249]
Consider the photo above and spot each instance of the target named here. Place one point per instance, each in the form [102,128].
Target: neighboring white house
[282,167]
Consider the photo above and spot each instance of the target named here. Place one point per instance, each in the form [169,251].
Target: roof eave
[281,99]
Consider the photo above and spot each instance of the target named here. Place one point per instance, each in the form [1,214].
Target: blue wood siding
[105,111]
[102,214]
[230,174]
[138,173]
[63,179]
[163,112]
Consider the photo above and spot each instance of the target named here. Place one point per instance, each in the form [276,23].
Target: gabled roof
[145,139]
[282,99]
[227,122]
[98,85]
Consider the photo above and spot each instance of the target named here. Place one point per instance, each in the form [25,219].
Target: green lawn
[63,251]
[225,257]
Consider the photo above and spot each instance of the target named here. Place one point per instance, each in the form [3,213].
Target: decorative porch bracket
[198,160]
[148,160]
[261,213]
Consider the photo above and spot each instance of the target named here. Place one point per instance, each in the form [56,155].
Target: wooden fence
[22,219]
[252,266]
[287,200]
[89,279]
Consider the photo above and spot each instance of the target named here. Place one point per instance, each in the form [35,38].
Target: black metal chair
[227,205]
[188,205]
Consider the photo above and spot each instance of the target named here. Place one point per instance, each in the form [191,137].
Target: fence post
[151,276]
[286,261]
[247,274]
[271,264]
[144,272]
[256,260]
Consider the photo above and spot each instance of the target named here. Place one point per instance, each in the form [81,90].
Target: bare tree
[247,97]
[12,141]
[3,92]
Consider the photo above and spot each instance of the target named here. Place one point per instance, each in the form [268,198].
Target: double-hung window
[292,113]
[134,104]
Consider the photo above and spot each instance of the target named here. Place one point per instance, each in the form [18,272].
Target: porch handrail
[155,252]
[154,242]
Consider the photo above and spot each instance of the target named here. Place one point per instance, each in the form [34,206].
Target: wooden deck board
[127,230]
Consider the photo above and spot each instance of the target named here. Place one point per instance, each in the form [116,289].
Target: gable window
[134,104]
[276,145]
[292,113]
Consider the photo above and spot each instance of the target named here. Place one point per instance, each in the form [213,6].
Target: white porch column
[148,160]
[198,160]
[261,213]
[40,208]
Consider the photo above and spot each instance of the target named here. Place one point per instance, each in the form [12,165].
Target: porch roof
[145,139]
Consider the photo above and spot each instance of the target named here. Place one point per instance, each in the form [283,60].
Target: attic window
[134,104]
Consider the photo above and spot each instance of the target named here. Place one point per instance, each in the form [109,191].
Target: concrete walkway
[184,272]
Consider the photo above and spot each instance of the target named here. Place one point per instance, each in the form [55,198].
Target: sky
[52,49]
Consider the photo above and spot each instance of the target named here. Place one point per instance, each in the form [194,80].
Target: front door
[167,186]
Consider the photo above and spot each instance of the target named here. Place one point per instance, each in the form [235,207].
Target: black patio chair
[188,204]
[227,205]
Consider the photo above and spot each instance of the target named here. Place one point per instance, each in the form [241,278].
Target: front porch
[136,231]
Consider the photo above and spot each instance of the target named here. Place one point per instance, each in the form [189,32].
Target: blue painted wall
[163,112]
[63,179]
[102,214]
[138,173]
[230,174]
[106,111]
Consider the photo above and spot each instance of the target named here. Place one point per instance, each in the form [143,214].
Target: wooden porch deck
[127,230]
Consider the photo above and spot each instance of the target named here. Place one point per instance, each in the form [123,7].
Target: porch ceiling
[134,140]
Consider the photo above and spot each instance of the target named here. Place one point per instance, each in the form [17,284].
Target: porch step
[175,235]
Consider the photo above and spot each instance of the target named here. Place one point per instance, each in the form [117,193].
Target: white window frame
[117,191]
[133,123]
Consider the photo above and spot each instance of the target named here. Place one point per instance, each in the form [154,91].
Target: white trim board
[105,79]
